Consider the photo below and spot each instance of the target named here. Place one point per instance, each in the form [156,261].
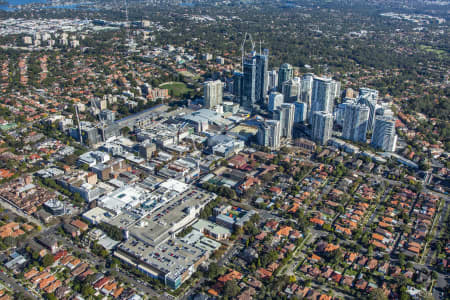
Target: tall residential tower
[285,114]
[269,134]
[384,136]
[322,126]
[285,73]
[213,93]
[369,97]
[355,122]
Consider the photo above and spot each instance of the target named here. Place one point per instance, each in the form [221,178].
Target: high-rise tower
[262,76]
[285,114]
[285,73]
[249,82]
[384,136]
[322,125]
[269,134]
[213,93]
[369,97]
[356,117]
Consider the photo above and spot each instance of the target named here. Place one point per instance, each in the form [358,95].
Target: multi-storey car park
[150,220]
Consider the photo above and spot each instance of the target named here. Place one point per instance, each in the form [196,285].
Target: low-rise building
[213,230]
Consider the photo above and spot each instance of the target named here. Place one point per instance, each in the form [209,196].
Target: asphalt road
[7,205]
[232,251]
[14,286]
[292,265]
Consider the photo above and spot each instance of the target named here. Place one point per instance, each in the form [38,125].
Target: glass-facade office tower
[249,82]
[262,76]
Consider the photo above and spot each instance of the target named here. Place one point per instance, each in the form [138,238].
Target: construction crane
[179,130]
[249,36]
[79,126]
[260,47]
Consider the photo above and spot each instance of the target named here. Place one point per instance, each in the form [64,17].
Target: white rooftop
[126,196]
[175,185]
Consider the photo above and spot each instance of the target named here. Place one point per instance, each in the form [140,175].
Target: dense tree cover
[377,294]
[51,183]
[99,250]
[220,190]
[231,289]
[50,296]
[112,231]
[84,286]
[207,211]
[268,258]
[251,227]
[48,260]
[214,270]
[185,231]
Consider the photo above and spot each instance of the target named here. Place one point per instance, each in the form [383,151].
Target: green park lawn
[176,89]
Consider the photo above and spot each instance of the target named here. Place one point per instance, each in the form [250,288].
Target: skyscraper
[335,89]
[285,73]
[322,125]
[339,112]
[356,117]
[306,91]
[273,80]
[249,82]
[322,95]
[213,91]
[275,101]
[285,114]
[291,89]
[369,97]
[384,136]
[301,109]
[269,134]
[238,81]
[262,75]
